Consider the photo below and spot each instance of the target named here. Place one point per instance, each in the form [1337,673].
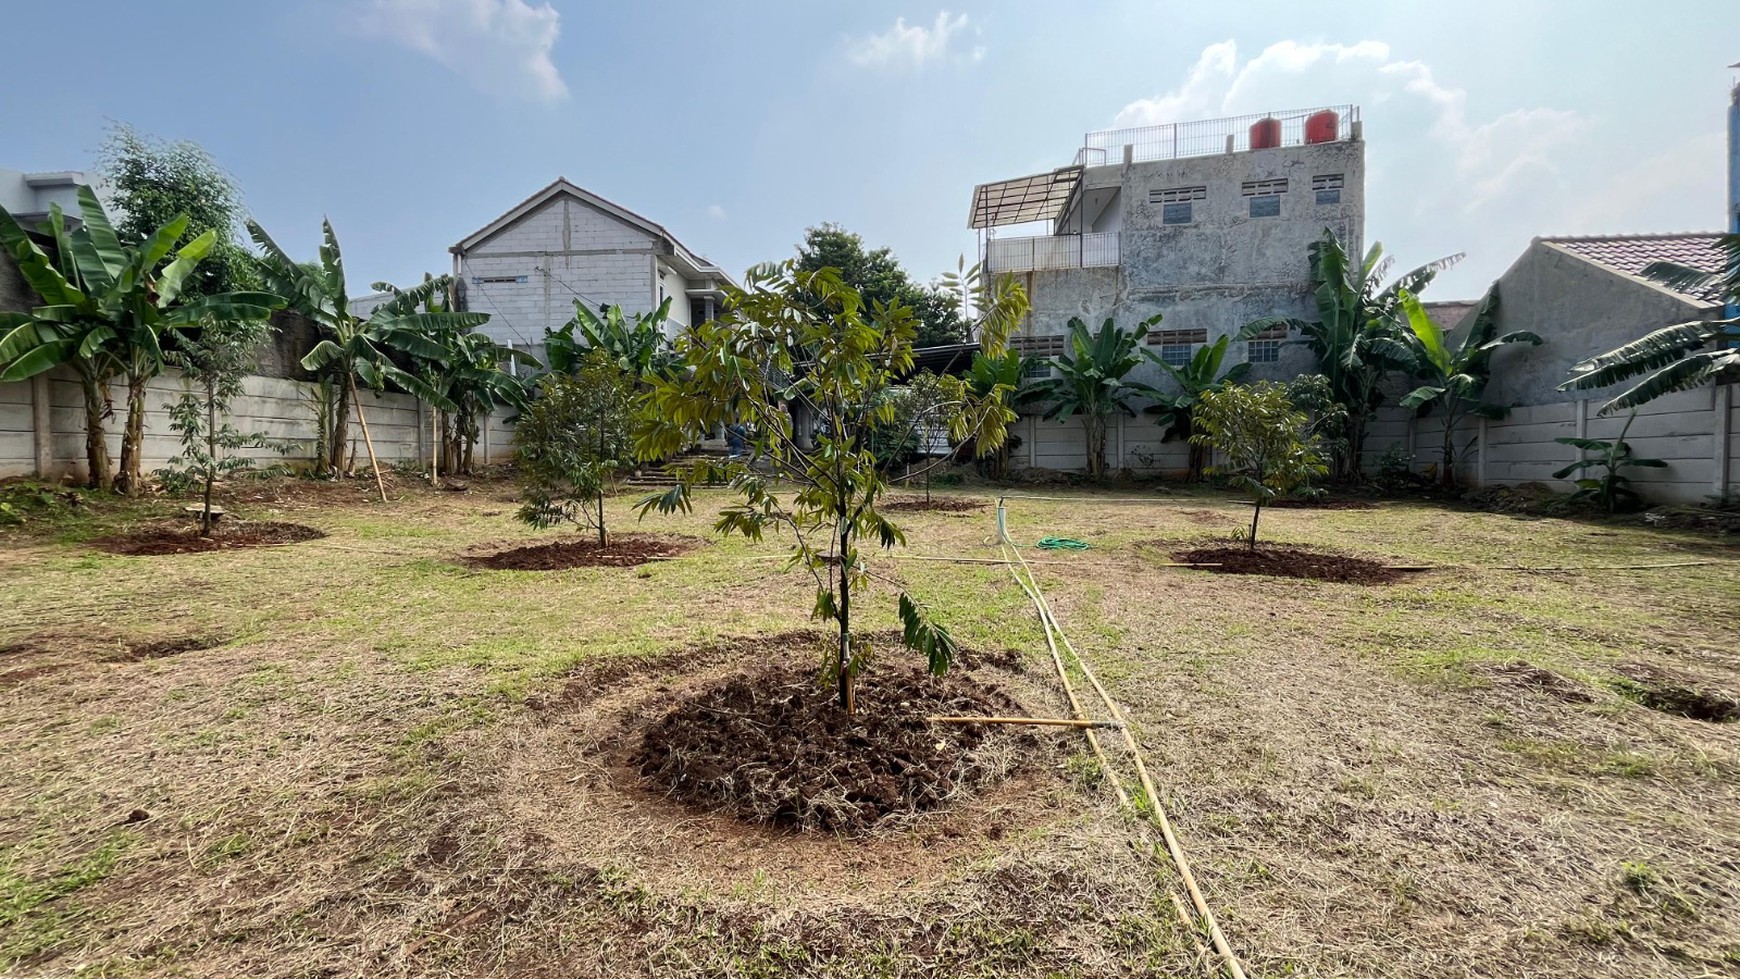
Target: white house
[564,243]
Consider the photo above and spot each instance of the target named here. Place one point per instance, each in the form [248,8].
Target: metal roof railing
[1205,137]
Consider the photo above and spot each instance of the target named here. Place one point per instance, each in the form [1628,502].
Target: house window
[1263,351]
[1038,346]
[1265,196]
[1177,346]
[1175,213]
[497,280]
[1175,202]
[1037,369]
[1266,207]
[1327,187]
[1175,354]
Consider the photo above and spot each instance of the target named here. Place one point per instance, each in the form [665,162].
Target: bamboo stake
[361,419]
[1042,721]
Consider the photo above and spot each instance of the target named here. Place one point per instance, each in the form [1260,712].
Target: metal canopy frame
[1037,197]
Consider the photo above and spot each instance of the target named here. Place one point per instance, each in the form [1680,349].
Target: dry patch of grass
[384,762]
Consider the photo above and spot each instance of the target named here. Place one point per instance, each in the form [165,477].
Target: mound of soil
[772,747]
[623,551]
[936,504]
[1526,676]
[1676,693]
[176,539]
[1291,562]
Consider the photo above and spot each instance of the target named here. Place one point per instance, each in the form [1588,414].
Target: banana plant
[1678,357]
[999,378]
[355,348]
[1356,337]
[1194,379]
[1455,376]
[107,310]
[1610,490]
[1093,381]
[637,344]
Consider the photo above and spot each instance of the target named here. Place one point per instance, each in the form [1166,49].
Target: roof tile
[1630,254]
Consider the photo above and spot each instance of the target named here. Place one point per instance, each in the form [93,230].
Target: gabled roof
[1631,254]
[699,266]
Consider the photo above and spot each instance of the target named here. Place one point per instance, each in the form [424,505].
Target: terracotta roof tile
[1630,254]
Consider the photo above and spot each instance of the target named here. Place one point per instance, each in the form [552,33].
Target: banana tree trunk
[96,438]
[338,440]
[1094,428]
[129,475]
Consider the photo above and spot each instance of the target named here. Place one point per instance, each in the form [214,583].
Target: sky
[412,123]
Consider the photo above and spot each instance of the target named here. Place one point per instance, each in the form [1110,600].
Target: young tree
[879,278]
[572,441]
[1260,435]
[1357,337]
[107,309]
[795,336]
[1092,381]
[1455,377]
[1612,489]
[213,363]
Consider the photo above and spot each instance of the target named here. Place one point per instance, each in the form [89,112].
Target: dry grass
[376,762]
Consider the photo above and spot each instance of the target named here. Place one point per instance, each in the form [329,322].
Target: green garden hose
[1062,544]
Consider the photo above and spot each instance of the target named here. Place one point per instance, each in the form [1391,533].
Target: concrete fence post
[1721,431]
[41,425]
[1480,460]
[1032,441]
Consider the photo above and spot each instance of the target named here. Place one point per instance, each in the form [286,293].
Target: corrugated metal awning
[1039,197]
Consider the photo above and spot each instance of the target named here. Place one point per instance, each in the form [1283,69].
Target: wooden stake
[361,419]
[1042,721]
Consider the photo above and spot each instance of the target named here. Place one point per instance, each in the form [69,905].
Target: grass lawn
[362,755]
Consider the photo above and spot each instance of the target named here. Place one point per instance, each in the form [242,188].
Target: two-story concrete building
[1206,222]
[527,267]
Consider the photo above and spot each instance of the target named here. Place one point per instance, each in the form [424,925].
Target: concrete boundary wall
[1696,432]
[42,429]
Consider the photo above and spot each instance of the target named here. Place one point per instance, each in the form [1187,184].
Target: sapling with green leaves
[1262,442]
[1611,489]
[572,441]
[806,341]
[213,364]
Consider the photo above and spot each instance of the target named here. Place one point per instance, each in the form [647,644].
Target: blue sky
[413,122]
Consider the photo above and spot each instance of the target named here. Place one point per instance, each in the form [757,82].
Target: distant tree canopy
[878,277]
[150,181]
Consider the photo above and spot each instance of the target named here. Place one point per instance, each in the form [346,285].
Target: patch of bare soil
[623,551]
[771,747]
[936,504]
[1325,503]
[1534,679]
[1291,562]
[1674,692]
[180,539]
[53,652]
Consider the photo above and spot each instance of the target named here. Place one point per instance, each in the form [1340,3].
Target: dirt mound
[623,551]
[1526,676]
[176,539]
[1677,693]
[934,505]
[1291,562]
[772,747]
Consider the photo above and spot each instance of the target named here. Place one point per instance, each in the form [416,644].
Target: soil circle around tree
[1291,562]
[936,504]
[622,551]
[227,534]
[772,746]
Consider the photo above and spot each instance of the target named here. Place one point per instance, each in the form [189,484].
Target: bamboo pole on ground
[362,420]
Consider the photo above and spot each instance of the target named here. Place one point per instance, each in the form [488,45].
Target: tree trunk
[1256,512]
[340,433]
[845,652]
[1350,464]
[1448,476]
[1095,429]
[129,476]
[211,448]
[1198,453]
[96,439]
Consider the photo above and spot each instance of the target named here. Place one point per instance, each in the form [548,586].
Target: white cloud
[716,212]
[914,46]
[1439,177]
[501,46]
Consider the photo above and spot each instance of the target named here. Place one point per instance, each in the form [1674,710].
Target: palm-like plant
[1199,376]
[998,378]
[354,347]
[1678,357]
[1611,489]
[1456,376]
[1356,338]
[107,308]
[637,344]
[1093,381]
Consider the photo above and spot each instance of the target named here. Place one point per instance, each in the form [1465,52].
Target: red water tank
[1322,127]
[1266,133]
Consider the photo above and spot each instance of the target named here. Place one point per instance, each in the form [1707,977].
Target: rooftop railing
[1044,252]
[1206,137]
